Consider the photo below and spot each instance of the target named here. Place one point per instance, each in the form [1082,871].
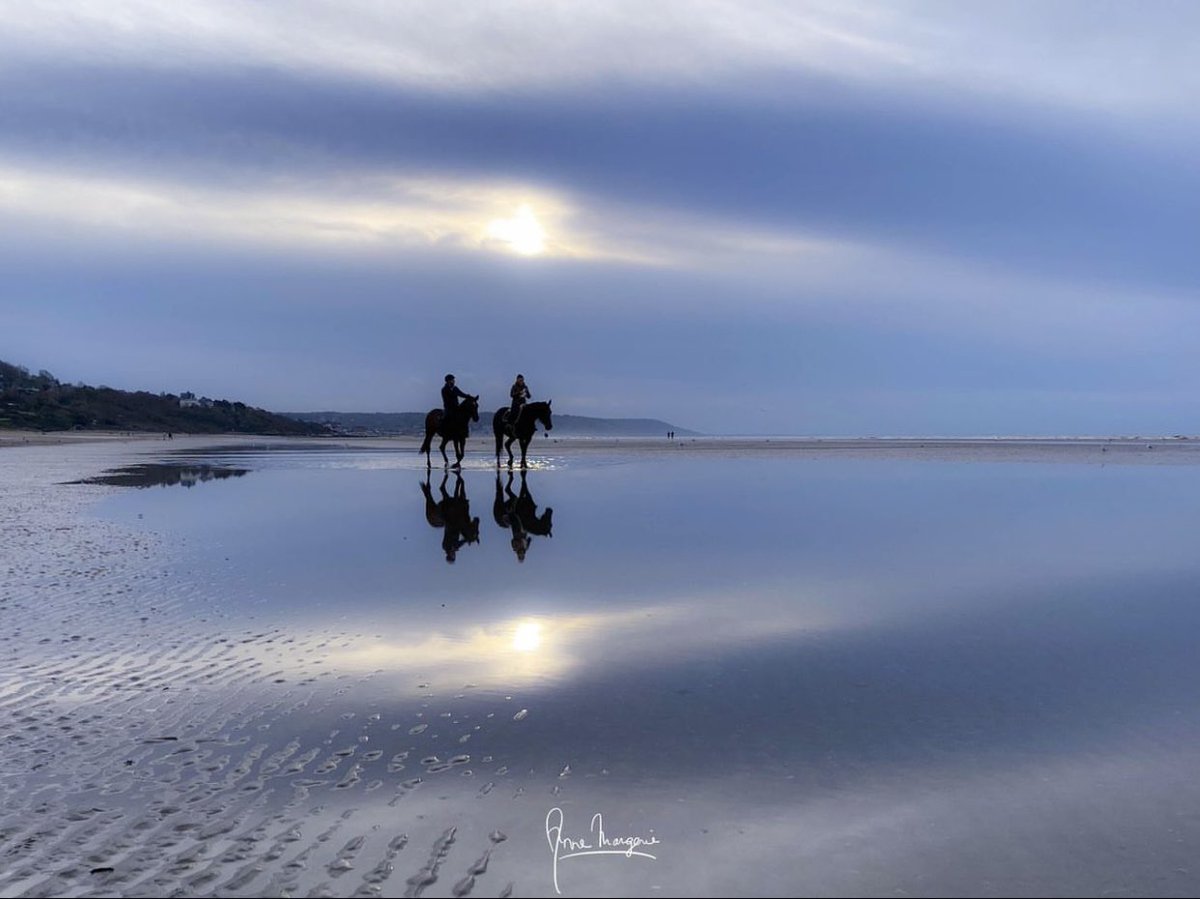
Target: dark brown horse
[455,427]
[525,428]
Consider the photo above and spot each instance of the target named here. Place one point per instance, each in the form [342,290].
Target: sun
[527,637]
[523,233]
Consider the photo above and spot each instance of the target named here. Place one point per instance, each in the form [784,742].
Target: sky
[840,218]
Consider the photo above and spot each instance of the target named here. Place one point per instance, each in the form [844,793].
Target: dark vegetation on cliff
[42,402]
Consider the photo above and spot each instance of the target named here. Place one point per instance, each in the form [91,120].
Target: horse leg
[508,446]
[445,458]
[524,447]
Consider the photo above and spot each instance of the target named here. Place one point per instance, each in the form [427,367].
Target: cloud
[366,214]
[1049,194]
[1115,59]
[851,208]
[461,47]
[371,213]
[381,243]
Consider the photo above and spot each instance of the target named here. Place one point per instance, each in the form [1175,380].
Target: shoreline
[20,437]
[1149,450]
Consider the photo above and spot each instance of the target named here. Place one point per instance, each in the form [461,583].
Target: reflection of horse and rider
[518,513]
[517,421]
[452,513]
[514,511]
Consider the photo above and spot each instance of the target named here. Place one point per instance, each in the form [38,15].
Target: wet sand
[153,748]
[59,438]
[171,729]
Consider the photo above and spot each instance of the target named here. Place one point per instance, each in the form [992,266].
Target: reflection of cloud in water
[903,830]
[517,652]
[158,474]
[1015,824]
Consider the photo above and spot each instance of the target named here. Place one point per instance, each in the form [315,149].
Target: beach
[832,667]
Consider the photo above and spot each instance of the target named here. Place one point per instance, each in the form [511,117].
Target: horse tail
[498,429]
[431,426]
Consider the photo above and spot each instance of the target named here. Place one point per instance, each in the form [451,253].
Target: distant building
[187,400]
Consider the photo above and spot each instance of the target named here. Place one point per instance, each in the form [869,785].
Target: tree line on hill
[42,402]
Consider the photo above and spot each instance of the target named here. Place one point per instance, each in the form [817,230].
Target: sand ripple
[154,749]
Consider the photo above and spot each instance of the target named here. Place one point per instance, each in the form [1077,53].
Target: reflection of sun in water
[523,233]
[527,637]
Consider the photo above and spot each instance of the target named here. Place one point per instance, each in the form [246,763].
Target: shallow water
[789,673]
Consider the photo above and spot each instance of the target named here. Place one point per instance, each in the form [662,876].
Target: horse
[433,510]
[454,428]
[526,426]
[453,515]
[509,509]
[519,515]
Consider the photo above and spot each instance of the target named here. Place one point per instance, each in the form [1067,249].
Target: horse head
[542,525]
[471,404]
[544,417]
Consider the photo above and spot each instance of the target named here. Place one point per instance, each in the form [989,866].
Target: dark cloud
[1042,205]
[1014,186]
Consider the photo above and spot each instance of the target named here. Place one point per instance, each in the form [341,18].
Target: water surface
[791,674]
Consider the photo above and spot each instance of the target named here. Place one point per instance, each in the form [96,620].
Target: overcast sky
[742,217]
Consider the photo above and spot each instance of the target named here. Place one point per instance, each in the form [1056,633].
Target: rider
[451,544]
[518,394]
[450,396]
[520,544]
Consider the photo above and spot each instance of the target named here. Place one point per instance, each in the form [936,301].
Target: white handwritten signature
[597,842]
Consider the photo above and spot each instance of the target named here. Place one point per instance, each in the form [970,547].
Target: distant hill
[42,402]
[413,423]
[390,423]
[583,426]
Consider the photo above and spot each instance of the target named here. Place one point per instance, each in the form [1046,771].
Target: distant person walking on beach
[518,394]
[451,395]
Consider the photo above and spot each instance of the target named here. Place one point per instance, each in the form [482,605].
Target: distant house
[187,400]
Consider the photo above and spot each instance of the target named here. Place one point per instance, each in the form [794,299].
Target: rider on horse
[452,422]
[518,394]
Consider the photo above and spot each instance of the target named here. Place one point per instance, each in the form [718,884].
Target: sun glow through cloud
[448,213]
[523,233]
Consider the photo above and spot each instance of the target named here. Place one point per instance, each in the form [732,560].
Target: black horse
[453,515]
[455,427]
[518,513]
[531,414]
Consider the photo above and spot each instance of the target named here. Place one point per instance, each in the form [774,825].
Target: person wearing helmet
[451,395]
[518,394]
